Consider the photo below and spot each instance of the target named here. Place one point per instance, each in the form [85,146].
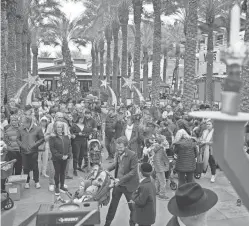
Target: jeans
[108,142]
[212,164]
[60,169]
[43,161]
[69,162]
[79,152]
[185,178]
[17,168]
[116,195]
[50,170]
[30,162]
[160,183]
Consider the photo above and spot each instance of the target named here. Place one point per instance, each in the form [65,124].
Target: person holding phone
[61,149]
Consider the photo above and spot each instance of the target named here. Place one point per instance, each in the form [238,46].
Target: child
[95,152]
[144,198]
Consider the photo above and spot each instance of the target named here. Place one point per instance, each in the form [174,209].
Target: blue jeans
[161,183]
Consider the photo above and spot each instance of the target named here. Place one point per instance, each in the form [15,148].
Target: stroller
[6,171]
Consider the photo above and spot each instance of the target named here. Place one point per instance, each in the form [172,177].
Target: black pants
[79,149]
[212,164]
[116,195]
[17,168]
[108,142]
[185,178]
[30,163]
[60,170]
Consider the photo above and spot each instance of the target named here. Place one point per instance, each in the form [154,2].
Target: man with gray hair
[29,138]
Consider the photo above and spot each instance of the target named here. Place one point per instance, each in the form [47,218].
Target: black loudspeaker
[67,214]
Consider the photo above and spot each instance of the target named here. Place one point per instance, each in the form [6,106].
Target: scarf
[128,131]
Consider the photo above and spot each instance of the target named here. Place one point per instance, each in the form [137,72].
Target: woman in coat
[186,152]
[61,149]
[131,133]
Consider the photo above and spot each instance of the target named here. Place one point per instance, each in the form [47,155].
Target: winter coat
[30,139]
[186,151]
[10,138]
[145,203]
[119,126]
[110,124]
[133,142]
[60,146]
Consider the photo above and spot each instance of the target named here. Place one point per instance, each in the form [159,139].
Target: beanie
[146,169]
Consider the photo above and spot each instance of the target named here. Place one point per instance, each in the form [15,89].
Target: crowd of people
[49,138]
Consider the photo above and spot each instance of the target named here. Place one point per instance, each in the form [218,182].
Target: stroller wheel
[197,175]
[173,185]
[9,204]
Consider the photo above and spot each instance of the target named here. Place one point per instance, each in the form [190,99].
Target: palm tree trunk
[19,32]
[115,31]
[29,52]
[108,36]
[94,77]
[24,50]
[11,53]
[177,68]
[190,54]
[3,50]
[129,63]
[165,64]
[97,64]
[34,48]
[245,70]
[209,75]
[145,72]
[156,53]
[101,51]
[137,9]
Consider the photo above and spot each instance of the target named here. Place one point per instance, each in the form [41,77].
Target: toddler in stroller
[95,152]
[96,187]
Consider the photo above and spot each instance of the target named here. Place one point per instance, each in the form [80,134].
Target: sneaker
[45,175]
[65,186]
[63,189]
[51,188]
[27,186]
[163,197]
[212,179]
[57,191]
[75,173]
[37,185]
[69,177]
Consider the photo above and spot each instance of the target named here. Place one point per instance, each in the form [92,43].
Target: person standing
[126,182]
[29,138]
[61,149]
[144,197]
[13,149]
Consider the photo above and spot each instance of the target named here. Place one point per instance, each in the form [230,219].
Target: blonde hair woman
[61,149]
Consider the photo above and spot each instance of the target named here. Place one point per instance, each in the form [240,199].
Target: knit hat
[44,118]
[146,169]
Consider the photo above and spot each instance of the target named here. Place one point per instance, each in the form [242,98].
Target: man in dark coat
[126,182]
[144,197]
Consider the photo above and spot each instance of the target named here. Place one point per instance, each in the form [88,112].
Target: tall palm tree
[3,49]
[94,77]
[11,53]
[115,32]
[97,61]
[137,14]
[123,14]
[245,69]
[101,57]
[156,80]
[108,37]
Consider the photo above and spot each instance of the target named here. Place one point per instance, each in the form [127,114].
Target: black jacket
[145,203]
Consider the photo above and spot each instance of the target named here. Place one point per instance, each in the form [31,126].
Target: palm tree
[108,37]
[137,14]
[97,62]
[94,77]
[245,72]
[156,80]
[101,47]
[11,53]
[115,32]
[3,49]
[123,14]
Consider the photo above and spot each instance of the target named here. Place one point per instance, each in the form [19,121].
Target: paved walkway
[224,213]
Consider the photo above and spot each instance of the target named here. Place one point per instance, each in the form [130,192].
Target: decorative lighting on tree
[68,86]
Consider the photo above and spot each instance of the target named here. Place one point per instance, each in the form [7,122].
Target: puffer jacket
[186,151]
[10,138]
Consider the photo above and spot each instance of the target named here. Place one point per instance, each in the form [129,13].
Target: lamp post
[229,122]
